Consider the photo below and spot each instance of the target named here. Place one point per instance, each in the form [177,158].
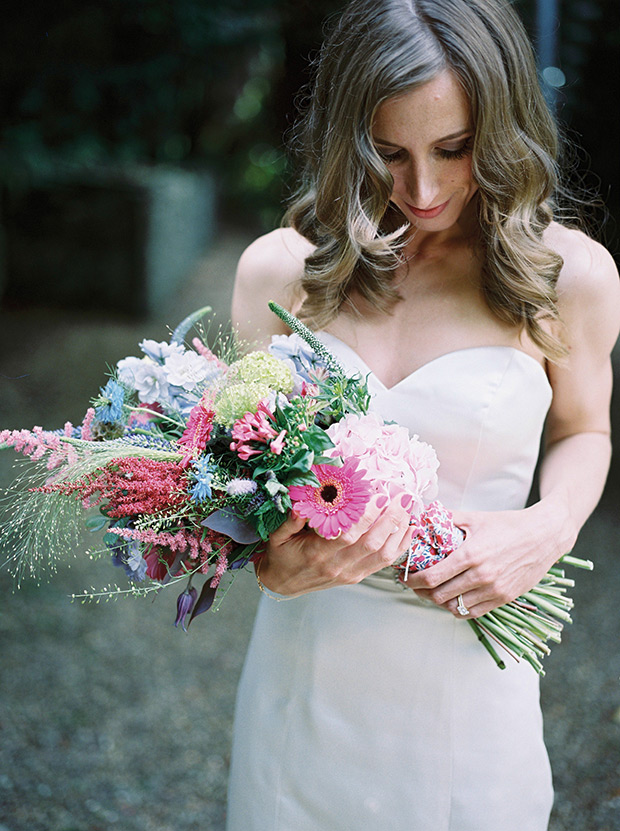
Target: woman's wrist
[554,513]
[272,589]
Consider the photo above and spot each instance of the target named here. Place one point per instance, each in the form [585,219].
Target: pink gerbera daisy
[337,502]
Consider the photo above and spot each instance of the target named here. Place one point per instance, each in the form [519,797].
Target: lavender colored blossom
[299,357]
[185,604]
[126,554]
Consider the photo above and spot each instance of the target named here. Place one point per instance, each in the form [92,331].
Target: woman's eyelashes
[443,152]
[458,153]
[390,158]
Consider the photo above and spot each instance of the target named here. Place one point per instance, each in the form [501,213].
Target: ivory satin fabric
[363,708]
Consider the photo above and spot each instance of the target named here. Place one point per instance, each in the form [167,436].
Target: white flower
[186,370]
[159,351]
[144,376]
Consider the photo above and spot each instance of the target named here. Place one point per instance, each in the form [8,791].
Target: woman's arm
[507,552]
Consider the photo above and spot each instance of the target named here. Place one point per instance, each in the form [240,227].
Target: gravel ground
[112,718]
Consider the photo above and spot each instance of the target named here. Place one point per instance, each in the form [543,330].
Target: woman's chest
[422,327]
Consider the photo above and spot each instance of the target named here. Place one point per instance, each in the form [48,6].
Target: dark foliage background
[213,84]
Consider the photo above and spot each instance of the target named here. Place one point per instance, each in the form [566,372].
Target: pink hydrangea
[395,462]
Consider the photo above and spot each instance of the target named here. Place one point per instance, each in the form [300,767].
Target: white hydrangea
[186,370]
[146,377]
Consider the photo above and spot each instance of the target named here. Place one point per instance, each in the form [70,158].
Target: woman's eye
[459,153]
[389,158]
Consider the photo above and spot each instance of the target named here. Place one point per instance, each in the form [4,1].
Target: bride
[423,246]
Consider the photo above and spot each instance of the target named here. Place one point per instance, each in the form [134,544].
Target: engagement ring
[461,608]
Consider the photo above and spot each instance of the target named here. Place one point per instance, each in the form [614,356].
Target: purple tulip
[185,604]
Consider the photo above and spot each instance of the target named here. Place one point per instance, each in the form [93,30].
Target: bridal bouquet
[186,462]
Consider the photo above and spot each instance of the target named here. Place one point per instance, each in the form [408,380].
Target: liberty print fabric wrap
[435,537]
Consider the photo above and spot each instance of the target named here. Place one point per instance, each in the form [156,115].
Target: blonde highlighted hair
[380,49]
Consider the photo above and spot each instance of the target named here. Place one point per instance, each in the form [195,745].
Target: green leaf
[269,521]
[260,470]
[96,523]
[302,459]
[317,440]
[302,479]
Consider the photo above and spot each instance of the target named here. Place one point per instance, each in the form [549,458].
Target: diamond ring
[461,608]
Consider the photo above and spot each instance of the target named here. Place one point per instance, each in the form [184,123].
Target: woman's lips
[430,213]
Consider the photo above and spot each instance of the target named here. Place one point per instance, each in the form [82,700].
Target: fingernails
[382,501]
[405,500]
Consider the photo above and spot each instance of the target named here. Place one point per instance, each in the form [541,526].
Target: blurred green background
[93,92]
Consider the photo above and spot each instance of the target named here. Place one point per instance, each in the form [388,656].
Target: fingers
[291,526]
[374,510]
[380,536]
[388,540]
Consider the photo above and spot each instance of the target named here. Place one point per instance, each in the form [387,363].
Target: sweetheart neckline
[445,355]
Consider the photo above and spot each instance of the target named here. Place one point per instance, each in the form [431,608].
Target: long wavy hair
[380,49]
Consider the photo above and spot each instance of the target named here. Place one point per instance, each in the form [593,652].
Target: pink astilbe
[198,430]
[87,424]
[220,568]
[132,486]
[37,442]
[164,547]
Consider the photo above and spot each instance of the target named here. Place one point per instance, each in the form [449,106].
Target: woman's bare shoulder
[270,268]
[589,269]
[588,285]
[276,258]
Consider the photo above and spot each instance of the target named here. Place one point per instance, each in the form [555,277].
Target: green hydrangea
[263,368]
[238,399]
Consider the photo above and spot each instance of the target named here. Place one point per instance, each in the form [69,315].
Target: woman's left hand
[504,554]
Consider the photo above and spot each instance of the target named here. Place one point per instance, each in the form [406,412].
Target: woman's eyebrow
[458,134]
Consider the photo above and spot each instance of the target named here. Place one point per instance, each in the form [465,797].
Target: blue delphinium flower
[295,352]
[203,473]
[110,409]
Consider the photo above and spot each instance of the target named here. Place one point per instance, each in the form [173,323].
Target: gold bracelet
[266,591]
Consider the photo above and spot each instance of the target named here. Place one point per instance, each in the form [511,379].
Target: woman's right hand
[297,560]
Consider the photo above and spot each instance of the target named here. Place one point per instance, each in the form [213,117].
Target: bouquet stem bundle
[523,627]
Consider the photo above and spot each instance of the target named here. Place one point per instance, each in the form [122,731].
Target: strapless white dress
[363,708]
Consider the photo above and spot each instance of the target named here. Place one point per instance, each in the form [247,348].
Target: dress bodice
[482,408]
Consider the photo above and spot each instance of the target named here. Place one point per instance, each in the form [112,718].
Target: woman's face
[425,138]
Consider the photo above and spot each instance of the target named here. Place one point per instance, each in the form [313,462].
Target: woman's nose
[421,186]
